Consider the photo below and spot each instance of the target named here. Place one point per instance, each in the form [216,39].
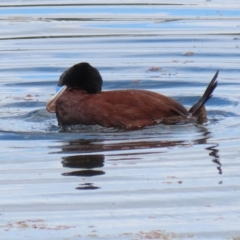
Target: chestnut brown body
[122,109]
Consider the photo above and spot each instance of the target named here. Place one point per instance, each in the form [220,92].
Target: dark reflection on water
[122,150]
[87,186]
[89,146]
[86,162]
[84,173]
[214,152]
[83,161]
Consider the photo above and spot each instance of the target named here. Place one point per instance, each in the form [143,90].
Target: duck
[82,101]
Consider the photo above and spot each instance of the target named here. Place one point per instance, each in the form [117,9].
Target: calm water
[162,182]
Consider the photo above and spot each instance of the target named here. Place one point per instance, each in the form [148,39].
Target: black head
[83,76]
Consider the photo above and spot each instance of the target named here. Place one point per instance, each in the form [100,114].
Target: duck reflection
[87,163]
[83,161]
[119,148]
[87,186]
[92,146]
[214,152]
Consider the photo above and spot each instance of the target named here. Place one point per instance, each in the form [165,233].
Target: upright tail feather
[206,96]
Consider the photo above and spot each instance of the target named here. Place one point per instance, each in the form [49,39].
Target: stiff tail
[206,96]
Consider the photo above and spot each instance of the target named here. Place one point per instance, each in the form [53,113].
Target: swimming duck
[82,101]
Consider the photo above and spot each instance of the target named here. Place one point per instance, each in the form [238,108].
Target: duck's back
[121,108]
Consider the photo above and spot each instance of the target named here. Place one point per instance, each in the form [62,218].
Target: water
[161,182]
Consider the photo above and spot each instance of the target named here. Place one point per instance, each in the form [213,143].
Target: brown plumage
[82,102]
